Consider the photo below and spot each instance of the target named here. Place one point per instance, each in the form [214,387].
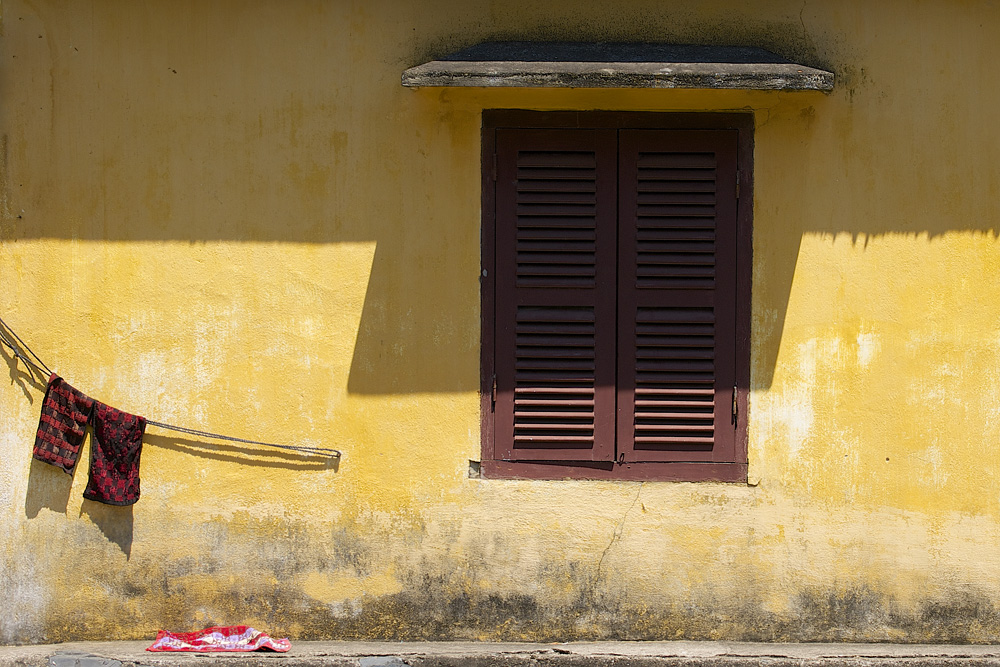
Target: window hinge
[737,183]
[736,408]
[493,395]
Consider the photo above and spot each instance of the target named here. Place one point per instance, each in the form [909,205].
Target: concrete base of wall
[473,654]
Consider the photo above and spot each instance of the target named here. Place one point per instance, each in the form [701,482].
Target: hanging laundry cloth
[65,413]
[237,638]
[114,464]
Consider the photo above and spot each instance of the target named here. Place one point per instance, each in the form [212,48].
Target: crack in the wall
[766,110]
[616,535]
[810,45]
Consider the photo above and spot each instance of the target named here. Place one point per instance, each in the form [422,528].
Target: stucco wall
[231,216]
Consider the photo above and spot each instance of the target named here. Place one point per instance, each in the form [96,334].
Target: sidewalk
[482,654]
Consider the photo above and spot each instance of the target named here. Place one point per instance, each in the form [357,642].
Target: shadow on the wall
[22,376]
[416,332]
[301,178]
[115,522]
[244,455]
[48,488]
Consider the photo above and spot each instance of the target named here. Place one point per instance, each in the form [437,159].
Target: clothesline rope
[5,333]
[19,348]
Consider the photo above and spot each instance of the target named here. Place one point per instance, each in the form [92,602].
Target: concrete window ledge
[616,65]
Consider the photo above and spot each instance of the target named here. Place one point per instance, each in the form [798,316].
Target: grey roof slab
[616,65]
[624,52]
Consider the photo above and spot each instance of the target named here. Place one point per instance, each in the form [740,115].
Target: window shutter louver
[676,295]
[555,294]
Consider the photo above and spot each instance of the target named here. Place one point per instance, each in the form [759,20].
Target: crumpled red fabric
[233,638]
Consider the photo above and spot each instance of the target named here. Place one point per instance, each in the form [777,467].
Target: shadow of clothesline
[252,456]
[49,487]
[21,375]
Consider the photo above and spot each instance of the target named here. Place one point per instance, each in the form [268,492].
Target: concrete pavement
[483,654]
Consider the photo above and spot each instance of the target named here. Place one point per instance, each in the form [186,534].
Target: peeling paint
[869,345]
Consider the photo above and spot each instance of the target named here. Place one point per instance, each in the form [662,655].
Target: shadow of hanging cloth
[116,523]
[48,488]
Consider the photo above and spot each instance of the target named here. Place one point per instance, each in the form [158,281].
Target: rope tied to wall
[33,362]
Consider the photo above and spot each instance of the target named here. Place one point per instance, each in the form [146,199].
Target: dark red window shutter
[555,338]
[676,295]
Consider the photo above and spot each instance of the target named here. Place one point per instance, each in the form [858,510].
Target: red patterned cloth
[236,638]
[114,465]
[65,413]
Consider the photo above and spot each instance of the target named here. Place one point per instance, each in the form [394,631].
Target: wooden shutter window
[677,224]
[555,302]
[616,291]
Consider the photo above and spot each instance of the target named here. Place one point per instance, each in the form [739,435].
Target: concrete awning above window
[616,65]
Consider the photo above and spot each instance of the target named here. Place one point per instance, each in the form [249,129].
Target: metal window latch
[736,408]
[493,395]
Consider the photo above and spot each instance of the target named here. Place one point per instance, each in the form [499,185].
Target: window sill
[644,472]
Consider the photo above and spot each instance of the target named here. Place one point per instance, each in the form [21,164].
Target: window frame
[743,124]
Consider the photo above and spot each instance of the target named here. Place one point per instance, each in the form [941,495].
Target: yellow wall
[231,216]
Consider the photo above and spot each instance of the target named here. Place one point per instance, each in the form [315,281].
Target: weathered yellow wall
[231,216]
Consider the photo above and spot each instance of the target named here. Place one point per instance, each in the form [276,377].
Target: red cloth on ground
[114,464]
[65,413]
[237,638]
